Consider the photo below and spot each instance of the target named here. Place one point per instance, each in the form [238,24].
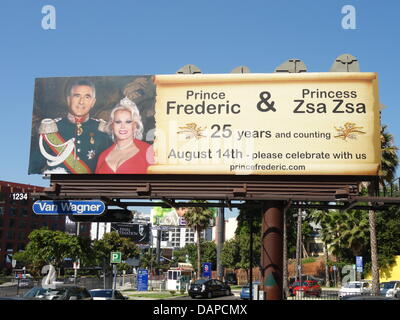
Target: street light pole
[220,241]
[78,226]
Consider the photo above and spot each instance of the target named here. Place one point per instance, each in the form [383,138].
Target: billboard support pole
[272,249]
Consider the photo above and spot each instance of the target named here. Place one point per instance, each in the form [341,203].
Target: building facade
[17,219]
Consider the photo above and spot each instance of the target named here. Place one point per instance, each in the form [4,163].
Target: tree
[208,252]
[179,255]
[230,254]
[50,247]
[389,162]
[199,219]
[114,242]
[242,236]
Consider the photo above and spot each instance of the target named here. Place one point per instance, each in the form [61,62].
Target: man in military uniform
[73,144]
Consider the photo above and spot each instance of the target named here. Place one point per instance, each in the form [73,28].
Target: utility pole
[298,246]
[78,226]
[158,253]
[220,241]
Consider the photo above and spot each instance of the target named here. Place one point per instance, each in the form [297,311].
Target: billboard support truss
[317,192]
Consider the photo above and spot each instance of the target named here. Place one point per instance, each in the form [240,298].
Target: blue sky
[128,37]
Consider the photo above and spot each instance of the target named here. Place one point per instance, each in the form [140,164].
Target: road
[11,291]
[231,297]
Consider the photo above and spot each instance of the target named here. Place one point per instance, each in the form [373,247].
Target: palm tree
[389,158]
[199,219]
[389,162]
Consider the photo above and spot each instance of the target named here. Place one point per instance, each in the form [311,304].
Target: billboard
[238,124]
[173,217]
[168,217]
[137,232]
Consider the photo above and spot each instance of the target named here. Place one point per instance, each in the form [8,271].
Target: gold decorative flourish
[349,131]
[192,131]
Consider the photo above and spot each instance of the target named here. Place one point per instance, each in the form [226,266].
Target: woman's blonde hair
[128,105]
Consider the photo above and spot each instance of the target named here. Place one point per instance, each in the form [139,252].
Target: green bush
[308,260]
[172,292]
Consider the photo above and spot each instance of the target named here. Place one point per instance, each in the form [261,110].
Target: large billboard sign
[173,217]
[168,217]
[137,232]
[239,124]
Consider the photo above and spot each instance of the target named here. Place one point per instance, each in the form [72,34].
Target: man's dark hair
[81,82]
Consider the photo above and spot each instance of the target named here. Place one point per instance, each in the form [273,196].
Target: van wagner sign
[247,124]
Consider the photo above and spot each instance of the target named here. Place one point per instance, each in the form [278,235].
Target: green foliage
[199,219]
[123,266]
[208,252]
[389,158]
[179,255]
[308,260]
[230,254]
[49,247]
[114,242]
[147,260]
[236,252]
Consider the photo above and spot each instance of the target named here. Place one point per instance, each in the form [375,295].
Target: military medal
[91,154]
[79,129]
[91,137]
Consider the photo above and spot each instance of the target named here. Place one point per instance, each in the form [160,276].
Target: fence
[11,289]
[335,295]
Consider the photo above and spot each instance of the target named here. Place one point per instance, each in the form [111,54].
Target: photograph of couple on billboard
[93,125]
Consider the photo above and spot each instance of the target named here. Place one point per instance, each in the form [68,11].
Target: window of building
[189,236]
[21,246]
[1,211]
[10,235]
[1,222]
[21,236]
[24,212]
[12,212]
[2,197]
[164,235]
[11,223]
[9,246]
[22,224]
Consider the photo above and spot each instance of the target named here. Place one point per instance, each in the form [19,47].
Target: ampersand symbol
[264,96]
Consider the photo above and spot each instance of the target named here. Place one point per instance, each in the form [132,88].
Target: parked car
[231,279]
[390,289]
[64,292]
[308,287]
[107,294]
[366,297]
[355,288]
[245,292]
[25,283]
[208,288]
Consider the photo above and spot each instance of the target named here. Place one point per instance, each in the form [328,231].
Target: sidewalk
[157,294]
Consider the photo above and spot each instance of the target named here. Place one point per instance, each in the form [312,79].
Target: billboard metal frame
[319,192]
